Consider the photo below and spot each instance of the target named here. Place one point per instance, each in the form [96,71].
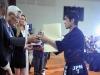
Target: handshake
[34,39]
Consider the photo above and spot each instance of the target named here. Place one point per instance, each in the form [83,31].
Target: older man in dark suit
[6,40]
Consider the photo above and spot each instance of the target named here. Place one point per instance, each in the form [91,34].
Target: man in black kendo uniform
[72,45]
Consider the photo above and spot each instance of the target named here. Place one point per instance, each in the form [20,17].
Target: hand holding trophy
[43,37]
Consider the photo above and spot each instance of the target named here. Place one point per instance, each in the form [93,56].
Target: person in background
[46,58]
[38,57]
[30,59]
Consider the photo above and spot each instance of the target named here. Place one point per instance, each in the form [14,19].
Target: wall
[51,11]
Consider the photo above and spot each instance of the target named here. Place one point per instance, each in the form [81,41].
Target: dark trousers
[75,69]
[38,62]
[10,59]
[46,58]
[2,72]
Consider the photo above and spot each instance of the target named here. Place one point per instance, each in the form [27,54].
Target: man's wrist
[7,67]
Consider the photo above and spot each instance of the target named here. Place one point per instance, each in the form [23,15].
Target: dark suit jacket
[14,30]
[19,47]
[5,40]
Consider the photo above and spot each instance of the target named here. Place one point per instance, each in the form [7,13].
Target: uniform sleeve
[66,43]
[59,46]
[72,41]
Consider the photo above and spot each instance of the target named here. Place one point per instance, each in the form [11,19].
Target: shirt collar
[8,24]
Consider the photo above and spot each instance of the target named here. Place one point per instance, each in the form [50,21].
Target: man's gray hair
[4,3]
[14,9]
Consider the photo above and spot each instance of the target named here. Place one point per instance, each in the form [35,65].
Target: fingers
[43,37]
[9,72]
[32,38]
[28,47]
[36,38]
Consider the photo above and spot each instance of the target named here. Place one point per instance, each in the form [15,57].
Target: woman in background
[19,53]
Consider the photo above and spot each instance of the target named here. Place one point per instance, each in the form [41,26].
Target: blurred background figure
[38,57]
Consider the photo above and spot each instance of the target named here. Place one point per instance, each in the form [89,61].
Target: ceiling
[43,2]
[38,2]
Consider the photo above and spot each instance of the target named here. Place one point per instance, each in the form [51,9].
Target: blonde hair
[18,27]
[18,30]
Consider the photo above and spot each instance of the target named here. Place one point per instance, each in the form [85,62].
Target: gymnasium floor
[55,66]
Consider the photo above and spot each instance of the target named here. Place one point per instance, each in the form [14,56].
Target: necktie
[11,31]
